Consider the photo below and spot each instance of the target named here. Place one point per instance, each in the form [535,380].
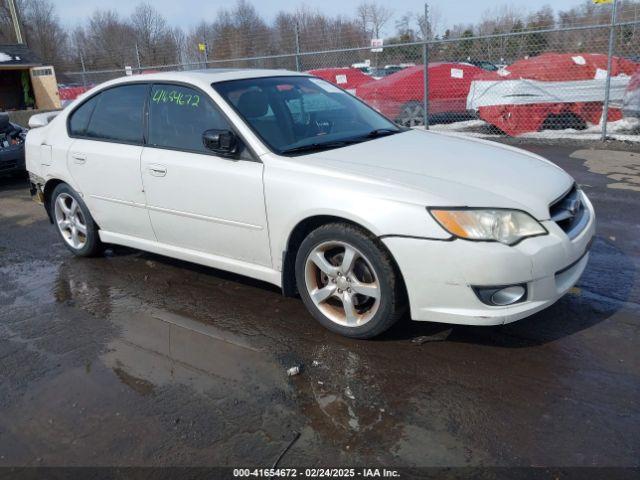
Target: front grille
[569,212]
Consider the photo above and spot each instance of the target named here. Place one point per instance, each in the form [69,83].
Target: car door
[104,159]
[196,199]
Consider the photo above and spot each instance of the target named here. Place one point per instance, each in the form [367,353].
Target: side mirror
[223,142]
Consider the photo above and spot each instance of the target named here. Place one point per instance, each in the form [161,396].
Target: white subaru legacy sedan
[285,178]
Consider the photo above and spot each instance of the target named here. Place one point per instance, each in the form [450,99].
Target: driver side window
[179,115]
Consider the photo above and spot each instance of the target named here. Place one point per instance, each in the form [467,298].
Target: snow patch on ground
[457,126]
[627,129]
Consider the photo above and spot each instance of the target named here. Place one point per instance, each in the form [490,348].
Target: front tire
[348,281]
[74,223]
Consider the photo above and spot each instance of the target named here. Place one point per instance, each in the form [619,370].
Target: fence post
[84,71]
[138,59]
[425,62]
[612,41]
[297,31]
[205,53]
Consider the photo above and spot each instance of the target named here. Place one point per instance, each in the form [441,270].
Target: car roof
[210,75]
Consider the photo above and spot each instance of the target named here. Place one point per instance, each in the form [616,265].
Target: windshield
[301,114]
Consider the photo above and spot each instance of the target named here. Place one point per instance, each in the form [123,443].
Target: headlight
[493,225]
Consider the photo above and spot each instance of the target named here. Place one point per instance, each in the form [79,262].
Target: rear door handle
[79,158]
[157,170]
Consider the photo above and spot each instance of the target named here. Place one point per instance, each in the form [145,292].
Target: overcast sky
[186,13]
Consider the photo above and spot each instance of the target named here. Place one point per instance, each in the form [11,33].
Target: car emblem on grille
[568,208]
[572,206]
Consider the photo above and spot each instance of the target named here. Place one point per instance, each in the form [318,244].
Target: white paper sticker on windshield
[457,73]
[326,86]
[340,79]
[600,74]
[579,60]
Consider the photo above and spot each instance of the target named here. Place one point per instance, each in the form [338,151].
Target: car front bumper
[439,275]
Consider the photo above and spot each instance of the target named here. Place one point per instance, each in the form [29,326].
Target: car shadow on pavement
[121,251]
[605,287]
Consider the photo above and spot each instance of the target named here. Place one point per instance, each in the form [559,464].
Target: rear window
[118,114]
[79,120]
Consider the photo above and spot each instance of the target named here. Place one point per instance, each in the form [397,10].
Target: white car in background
[286,178]
[631,101]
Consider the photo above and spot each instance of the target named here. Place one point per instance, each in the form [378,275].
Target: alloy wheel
[70,221]
[342,283]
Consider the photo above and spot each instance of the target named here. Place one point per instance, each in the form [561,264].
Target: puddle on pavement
[181,344]
[621,167]
[152,349]
[160,347]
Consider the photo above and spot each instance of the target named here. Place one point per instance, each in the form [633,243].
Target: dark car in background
[485,65]
[12,138]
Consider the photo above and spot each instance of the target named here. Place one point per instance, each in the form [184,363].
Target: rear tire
[348,281]
[74,223]
[563,121]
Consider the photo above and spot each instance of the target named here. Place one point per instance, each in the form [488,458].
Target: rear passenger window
[178,116]
[118,114]
[79,120]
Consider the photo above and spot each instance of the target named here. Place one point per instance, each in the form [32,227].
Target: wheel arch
[303,228]
[47,191]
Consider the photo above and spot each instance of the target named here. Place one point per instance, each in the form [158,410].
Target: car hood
[451,171]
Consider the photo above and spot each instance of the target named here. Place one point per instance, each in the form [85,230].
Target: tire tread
[389,274]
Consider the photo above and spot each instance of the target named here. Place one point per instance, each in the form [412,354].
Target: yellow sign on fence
[202,47]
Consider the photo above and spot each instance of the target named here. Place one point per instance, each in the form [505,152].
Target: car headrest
[253,104]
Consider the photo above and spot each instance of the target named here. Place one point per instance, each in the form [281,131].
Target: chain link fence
[578,81]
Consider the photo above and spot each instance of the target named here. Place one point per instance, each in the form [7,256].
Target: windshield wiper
[381,132]
[314,147]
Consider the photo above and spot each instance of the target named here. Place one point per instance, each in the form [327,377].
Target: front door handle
[157,170]
[79,158]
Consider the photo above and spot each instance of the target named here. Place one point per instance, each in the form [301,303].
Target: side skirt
[258,272]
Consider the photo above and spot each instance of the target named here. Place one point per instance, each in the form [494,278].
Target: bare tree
[433,27]
[108,41]
[6,25]
[373,17]
[236,33]
[153,36]
[404,28]
[44,33]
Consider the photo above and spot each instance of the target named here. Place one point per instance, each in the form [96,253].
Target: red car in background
[346,78]
[551,91]
[400,96]
[69,93]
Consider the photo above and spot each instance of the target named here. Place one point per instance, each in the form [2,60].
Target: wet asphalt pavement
[136,359]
